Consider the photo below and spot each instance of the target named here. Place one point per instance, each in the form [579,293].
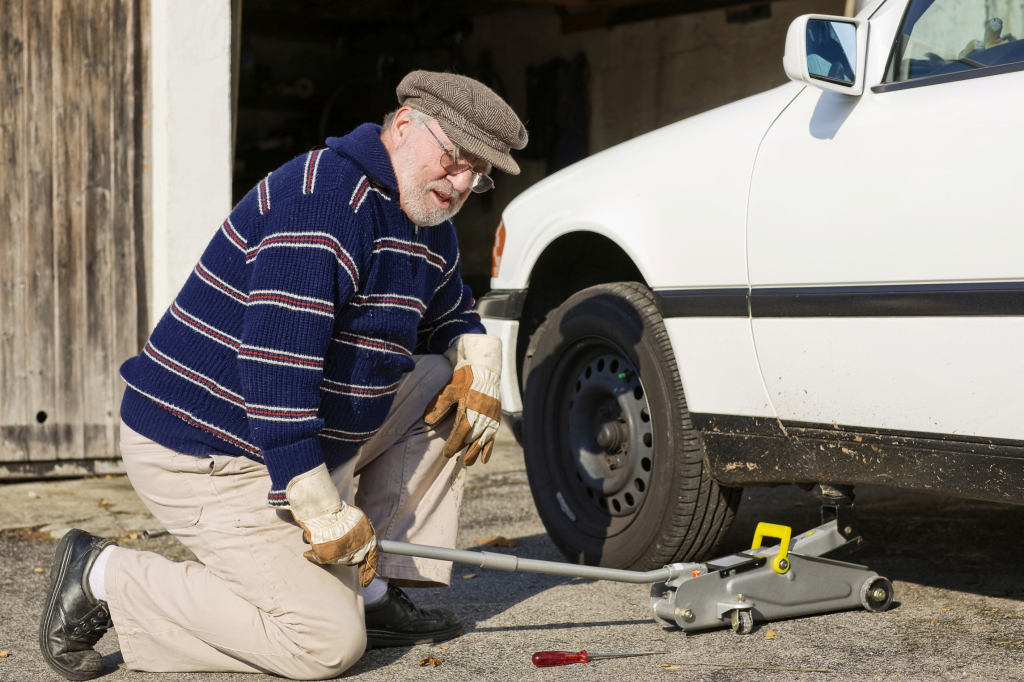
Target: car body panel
[676,191]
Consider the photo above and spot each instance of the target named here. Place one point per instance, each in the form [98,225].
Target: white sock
[375,591]
[97,573]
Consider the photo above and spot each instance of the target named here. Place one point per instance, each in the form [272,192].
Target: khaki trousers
[255,604]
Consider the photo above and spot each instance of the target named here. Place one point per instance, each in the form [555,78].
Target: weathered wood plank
[39,318]
[123,82]
[13,380]
[98,410]
[68,221]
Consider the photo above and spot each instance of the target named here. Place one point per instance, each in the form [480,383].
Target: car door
[886,236]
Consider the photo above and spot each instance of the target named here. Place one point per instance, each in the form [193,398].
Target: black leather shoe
[74,620]
[395,621]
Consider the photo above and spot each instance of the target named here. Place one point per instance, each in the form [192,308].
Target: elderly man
[324,333]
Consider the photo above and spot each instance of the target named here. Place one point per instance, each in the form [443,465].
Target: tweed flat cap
[472,115]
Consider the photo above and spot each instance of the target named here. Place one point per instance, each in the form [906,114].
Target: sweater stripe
[371,344]
[310,240]
[362,190]
[217,283]
[211,386]
[358,390]
[391,301]
[263,191]
[279,357]
[283,299]
[233,236]
[409,248]
[310,170]
[280,414]
[206,330]
[350,436]
[199,423]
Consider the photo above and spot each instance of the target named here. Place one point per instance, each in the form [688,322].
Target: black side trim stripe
[769,427]
[978,299]
[948,77]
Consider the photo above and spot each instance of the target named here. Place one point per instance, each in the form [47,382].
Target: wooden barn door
[68,221]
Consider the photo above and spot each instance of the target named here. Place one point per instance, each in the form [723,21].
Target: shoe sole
[58,570]
[381,639]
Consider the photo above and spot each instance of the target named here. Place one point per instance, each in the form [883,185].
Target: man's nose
[461,181]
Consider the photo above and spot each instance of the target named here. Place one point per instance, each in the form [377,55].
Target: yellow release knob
[773,530]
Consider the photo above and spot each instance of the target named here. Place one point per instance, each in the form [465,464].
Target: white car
[823,283]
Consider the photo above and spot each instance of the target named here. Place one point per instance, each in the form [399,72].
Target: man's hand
[338,533]
[473,391]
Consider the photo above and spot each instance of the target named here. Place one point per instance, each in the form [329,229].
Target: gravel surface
[955,564]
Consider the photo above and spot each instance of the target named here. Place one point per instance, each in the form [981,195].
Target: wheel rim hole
[646,463]
[615,503]
[603,502]
[590,493]
[578,386]
[629,499]
[600,365]
[639,485]
[614,367]
[648,440]
[645,415]
[589,371]
[638,393]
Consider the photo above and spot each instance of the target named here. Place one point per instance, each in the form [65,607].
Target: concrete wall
[189,128]
[643,76]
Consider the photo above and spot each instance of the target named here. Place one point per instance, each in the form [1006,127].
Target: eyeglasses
[480,182]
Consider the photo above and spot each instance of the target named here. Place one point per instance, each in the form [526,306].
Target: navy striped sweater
[288,340]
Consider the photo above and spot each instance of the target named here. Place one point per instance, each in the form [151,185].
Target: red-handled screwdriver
[546,659]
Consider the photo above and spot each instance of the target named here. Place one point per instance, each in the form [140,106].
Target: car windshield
[947,36]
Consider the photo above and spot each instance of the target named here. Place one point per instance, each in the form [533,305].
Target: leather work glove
[337,533]
[473,391]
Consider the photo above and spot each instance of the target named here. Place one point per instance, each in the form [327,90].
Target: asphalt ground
[956,566]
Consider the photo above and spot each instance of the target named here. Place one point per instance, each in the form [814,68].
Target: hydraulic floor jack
[803,575]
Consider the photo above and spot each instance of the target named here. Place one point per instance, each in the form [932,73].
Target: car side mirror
[827,52]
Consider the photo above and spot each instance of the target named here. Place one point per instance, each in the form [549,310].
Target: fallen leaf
[945,609]
[770,635]
[38,570]
[666,666]
[496,541]
[444,646]
[934,622]
[133,536]
[469,575]
[438,592]
[106,505]
[1020,642]
[108,476]
[4,654]
[430,660]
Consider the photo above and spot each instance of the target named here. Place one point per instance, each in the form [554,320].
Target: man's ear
[402,123]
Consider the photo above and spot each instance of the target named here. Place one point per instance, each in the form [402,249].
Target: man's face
[428,194]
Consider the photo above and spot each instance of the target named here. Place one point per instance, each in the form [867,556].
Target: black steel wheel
[615,467]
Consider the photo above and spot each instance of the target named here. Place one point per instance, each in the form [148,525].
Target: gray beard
[420,206]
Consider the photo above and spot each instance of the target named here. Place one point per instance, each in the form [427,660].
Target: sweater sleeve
[305,268]
[449,315]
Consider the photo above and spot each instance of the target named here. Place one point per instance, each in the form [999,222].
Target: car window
[950,36]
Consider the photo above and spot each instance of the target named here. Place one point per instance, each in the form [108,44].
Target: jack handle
[783,533]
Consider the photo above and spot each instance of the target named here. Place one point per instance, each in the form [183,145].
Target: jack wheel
[876,594]
[742,621]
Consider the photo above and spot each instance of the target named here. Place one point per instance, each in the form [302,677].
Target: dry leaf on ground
[133,536]
[106,505]
[496,541]
[666,666]
[770,635]
[430,660]
[38,570]
[4,654]
[469,575]
[934,622]
[444,646]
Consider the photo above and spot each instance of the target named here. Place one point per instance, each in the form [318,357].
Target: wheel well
[569,264]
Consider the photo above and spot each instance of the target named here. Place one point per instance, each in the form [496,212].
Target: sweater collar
[365,148]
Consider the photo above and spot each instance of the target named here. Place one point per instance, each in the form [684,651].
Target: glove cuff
[479,350]
[312,494]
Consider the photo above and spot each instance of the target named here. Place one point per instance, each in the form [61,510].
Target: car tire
[615,466]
